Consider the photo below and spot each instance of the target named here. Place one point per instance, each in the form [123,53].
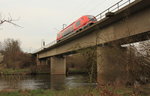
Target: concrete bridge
[126,25]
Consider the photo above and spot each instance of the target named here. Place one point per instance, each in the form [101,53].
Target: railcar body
[79,24]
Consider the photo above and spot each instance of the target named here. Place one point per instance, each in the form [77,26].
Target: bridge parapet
[113,8]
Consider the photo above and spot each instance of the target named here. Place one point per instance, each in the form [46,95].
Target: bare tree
[14,57]
[8,20]
[144,48]
[11,51]
[0,46]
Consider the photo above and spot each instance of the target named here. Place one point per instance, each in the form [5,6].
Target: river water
[57,82]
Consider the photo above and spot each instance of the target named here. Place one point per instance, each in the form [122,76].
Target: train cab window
[77,23]
[58,35]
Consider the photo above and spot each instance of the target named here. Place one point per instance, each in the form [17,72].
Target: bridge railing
[50,44]
[99,17]
[113,8]
[46,46]
[37,50]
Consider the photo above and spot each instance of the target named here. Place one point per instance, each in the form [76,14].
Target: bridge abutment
[58,65]
[111,64]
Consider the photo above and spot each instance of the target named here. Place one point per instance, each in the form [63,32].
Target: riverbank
[14,71]
[72,92]
[105,91]
[26,71]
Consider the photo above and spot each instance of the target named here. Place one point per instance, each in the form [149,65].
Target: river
[56,82]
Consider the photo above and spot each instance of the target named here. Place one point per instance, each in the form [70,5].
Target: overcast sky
[42,19]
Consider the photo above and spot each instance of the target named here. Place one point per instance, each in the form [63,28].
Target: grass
[14,71]
[73,92]
[39,92]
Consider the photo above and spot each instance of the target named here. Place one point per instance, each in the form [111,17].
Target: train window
[65,33]
[92,18]
[57,35]
[77,23]
[70,29]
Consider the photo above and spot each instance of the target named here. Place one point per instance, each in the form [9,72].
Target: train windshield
[92,18]
[58,35]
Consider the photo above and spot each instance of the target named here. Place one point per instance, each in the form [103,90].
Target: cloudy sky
[42,19]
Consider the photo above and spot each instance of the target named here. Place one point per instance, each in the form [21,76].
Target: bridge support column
[110,64]
[37,60]
[58,65]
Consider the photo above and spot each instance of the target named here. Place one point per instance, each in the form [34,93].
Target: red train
[79,24]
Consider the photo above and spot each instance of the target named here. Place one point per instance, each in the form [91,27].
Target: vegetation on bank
[77,71]
[14,71]
[105,91]
[25,71]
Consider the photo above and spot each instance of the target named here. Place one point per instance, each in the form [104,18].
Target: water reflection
[58,82]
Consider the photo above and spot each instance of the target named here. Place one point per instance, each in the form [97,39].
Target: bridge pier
[58,65]
[110,64]
[37,60]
